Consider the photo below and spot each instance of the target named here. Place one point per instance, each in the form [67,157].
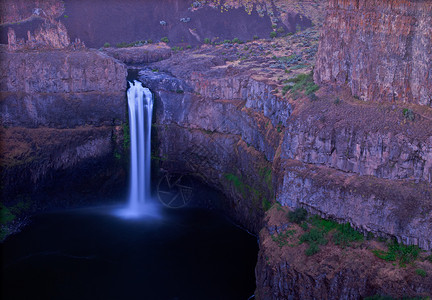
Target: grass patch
[298,215]
[421,272]
[126,136]
[302,83]
[345,234]
[318,231]
[399,252]
[133,44]
[6,215]
[298,67]
[9,214]
[260,198]
[282,238]
[266,205]
[314,237]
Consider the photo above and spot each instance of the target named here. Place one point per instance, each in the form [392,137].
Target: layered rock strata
[284,271]
[349,169]
[380,49]
[62,115]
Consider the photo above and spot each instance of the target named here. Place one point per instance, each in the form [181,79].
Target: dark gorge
[282,159]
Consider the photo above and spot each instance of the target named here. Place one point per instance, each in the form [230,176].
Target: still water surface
[94,253]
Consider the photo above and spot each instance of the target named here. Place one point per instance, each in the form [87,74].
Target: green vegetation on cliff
[399,252]
[10,214]
[261,198]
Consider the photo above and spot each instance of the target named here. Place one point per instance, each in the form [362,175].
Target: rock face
[285,272]
[18,10]
[217,121]
[340,168]
[381,49]
[62,113]
[51,34]
[140,55]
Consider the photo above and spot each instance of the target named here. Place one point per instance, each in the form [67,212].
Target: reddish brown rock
[19,10]
[381,49]
[284,271]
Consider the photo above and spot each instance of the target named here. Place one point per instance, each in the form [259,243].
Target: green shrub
[408,114]
[281,239]
[207,41]
[421,272]
[188,47]
[429,258]
[323,224]
[313,97]
[298,215]
[6,215]
[236,40]
[255,37]
[274,26]
[179,91]
[379,297]
[315,235]
[266,204]
[164,39]
[238,184]
[273,34]
[399,252]
[304,82]
[107,45]
[346,234]
[285,89]
[126,136]
[312,249]
[280,30]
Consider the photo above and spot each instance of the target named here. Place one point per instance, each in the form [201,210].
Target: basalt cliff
[62,111]
[335,120]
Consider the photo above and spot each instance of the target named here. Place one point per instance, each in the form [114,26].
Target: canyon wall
[349,169]
[381,49]
[62,114]
[217,121]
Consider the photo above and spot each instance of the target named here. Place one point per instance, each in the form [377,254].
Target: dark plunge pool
[93,253]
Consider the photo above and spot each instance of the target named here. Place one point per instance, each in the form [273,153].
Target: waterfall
[140,103]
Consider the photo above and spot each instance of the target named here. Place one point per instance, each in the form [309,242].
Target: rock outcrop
[140,55]
[51,34]
[352,170]
[284,271]
[62,115]
[381,49]
[20,10]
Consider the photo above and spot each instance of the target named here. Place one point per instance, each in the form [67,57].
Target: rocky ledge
[343,266]
[231,121]
[62,125]
[349,169]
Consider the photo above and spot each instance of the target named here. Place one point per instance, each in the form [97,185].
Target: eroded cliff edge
[234,123]
[381,49]
[61,126]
